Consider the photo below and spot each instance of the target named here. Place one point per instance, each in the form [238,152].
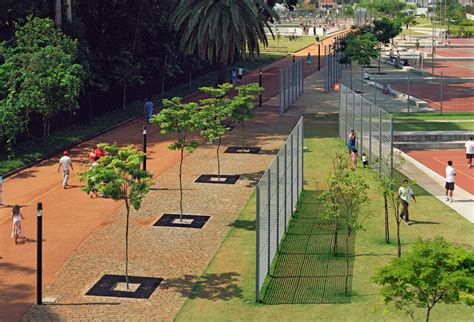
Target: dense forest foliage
[113,51]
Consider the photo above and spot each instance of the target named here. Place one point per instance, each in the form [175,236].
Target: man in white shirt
[405,192]
[449,186]
[66,164]
[469,152]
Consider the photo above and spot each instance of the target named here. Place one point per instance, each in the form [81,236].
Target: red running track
[437,161]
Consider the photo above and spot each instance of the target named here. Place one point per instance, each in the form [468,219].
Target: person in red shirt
[98,153]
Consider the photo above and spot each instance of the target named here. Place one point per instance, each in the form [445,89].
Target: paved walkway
[84,237]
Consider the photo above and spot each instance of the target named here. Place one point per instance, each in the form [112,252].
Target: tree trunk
[89,100]
[350,71]
[190,80]
[221,73]
[163,77]
[387,230]
[124,97]
[181,185]
[335,250]
[46,125]
[346,258]
[379,60]
[428,311]
[218,159]
[242,136]
[127,206]
[399,245]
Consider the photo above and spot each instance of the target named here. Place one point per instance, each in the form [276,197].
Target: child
[354,156]
[17,217]
[365,159]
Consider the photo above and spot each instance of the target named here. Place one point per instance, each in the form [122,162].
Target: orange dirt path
[69,216]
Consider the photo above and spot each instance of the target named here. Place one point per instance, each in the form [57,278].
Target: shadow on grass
[209,286]
[244,224]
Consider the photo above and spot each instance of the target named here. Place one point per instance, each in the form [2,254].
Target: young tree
[433,271]
[182,119]
[243,104]
[346,195]
[126,73]
[213,112]
[353,195]
[386,187]
[330,198]
[118,175]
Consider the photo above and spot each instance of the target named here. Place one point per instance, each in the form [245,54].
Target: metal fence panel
[291,84]
[373,125]
[277,193]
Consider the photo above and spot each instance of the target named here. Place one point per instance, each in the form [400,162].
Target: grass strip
[448,126]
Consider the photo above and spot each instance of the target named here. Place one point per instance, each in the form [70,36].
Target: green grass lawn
[434,116]
[227,289]
[426,23]
[284,45]
[427,126]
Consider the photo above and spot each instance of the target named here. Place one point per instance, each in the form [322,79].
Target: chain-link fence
[291,84]
[333,70]
[374,128]
[277,193]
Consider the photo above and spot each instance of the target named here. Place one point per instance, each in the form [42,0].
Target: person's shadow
[22,240]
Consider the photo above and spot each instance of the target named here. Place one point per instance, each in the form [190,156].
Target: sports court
[437,161]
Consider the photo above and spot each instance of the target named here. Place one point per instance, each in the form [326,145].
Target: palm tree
[220,30]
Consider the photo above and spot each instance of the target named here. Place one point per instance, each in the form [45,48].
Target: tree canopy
[434,271]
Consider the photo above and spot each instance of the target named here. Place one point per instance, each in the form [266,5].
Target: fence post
[353,110]
[278,198]
[286,183]
[370,133]
[380,141]
[408,93]
[269,233]
[302,153]
[345,132]
[391,146]
[297,161]
[325,72]
[257,259]
[361,126]
[282,92]
[292,175]
[375,91]
[302,78]
[441,93]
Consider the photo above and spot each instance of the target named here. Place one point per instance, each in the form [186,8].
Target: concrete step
[429,145]
[432,136]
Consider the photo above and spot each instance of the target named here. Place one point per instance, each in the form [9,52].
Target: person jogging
[66,164]
[469,152]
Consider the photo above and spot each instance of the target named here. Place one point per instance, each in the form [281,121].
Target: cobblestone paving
[178,255]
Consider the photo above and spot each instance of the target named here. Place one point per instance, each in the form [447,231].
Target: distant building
[328,4]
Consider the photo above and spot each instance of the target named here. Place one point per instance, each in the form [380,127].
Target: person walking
[354,157]
[149,109]
[469,152]
[406,193]
[66,164]
[351,142]
[449,185]
[234,77]
[309,59]
[240,74]
[16,228]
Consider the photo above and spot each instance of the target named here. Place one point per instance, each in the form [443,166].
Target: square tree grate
[140,288]
[213,178]
[245,149]
[189,221]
